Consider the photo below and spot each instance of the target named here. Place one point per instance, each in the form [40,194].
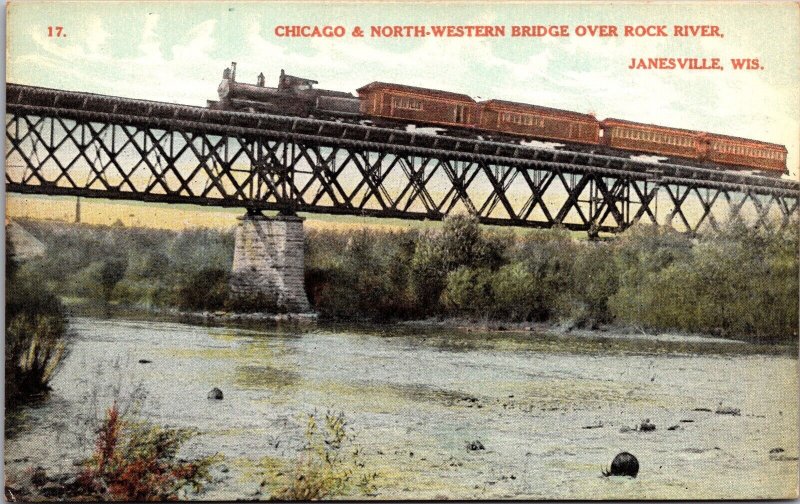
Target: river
[416,397]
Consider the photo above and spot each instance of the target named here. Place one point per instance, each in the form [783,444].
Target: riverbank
[734,283]
[628,338]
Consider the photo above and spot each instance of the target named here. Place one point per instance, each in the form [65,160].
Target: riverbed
[549,411]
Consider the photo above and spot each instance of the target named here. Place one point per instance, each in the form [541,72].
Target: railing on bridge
[71,143]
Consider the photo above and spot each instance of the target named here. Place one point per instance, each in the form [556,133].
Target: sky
[176,51]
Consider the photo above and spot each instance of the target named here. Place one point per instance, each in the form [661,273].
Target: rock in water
[624,464]
[647,426]
[728,410]
[215,393]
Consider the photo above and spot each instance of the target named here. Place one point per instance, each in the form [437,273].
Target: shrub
[737,282]
[516,292]
[329,464]
[36,330]
[469,291]
[206,289]
[459,242]
[361,274]
[550,261]
[134,461]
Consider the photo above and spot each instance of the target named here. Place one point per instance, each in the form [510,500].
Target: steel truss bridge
[80,144]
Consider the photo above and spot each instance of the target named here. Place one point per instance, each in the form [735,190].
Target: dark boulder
[647,426]
[624,464]
[728,410]
[215,394]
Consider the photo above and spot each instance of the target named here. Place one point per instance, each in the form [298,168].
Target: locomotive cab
[291,83]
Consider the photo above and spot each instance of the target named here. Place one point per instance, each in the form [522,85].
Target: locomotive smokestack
[233,71]
[260,80]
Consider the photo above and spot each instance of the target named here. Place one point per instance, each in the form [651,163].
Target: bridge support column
[268,262]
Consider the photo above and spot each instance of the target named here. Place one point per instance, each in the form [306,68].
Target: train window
[460,114]
[406,103]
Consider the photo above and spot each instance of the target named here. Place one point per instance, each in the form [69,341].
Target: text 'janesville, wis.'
[540,31]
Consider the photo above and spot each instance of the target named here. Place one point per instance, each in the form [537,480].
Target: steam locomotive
[396,105]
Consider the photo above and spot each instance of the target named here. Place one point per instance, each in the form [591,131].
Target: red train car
[736,151]
[697,145]
[420,105]
[650,138]
[534,121]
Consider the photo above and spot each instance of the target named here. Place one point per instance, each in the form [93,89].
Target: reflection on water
[549,410]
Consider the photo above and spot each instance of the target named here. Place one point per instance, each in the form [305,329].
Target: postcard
[443,250]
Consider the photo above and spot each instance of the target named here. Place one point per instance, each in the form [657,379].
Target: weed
[136,461]
[329,465]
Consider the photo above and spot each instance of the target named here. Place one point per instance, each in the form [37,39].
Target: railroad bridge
[72,143]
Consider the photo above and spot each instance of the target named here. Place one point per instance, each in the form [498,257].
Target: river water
[415,398]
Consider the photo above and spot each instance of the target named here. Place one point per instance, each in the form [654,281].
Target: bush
[36,331]
[516,292]
[737,282]
[360,275]
[206,289]
[459,242]
[329,464]
[469,291]
[138,462]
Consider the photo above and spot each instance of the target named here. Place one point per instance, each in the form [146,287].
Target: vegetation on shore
[136,461]
[132,461]
[35,334]
[737,282]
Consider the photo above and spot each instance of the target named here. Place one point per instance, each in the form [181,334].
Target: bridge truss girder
[106,155]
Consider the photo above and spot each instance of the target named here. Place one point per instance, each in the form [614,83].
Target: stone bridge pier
[268,262]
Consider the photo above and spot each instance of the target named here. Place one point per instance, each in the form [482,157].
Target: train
[397,105]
